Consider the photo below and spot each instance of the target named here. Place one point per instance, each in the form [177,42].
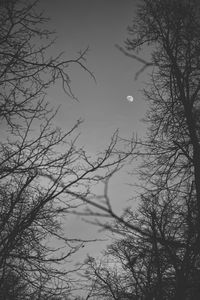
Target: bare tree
[172,152]
[43,175]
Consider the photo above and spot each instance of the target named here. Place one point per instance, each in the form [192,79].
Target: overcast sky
[99,24]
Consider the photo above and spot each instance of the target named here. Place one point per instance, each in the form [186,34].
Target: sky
[99,25]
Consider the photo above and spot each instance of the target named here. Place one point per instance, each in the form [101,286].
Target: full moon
[130,98]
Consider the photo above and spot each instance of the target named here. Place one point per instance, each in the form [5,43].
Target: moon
[130,98]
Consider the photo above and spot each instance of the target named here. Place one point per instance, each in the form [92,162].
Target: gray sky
[99,24]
